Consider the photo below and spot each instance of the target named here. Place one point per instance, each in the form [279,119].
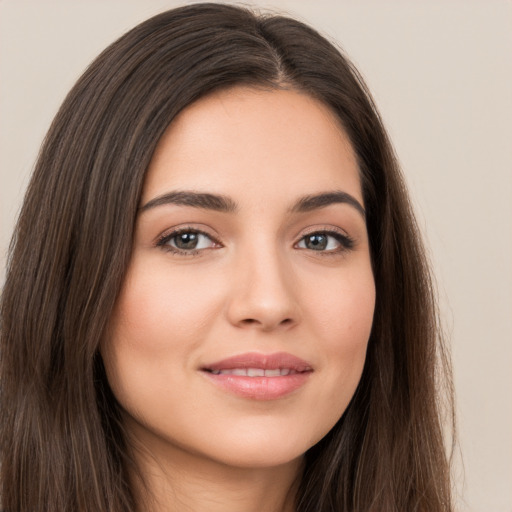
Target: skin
[252,285]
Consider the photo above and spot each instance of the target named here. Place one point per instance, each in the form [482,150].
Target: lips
[259,376]
[255,372]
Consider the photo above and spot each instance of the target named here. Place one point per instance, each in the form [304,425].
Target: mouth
[255,372]
[259,376]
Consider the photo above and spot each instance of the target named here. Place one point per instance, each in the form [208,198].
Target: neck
[181,482]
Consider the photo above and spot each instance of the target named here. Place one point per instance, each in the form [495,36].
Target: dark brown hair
[61,439]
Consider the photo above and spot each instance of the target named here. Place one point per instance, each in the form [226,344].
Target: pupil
[316,242]
[186,241]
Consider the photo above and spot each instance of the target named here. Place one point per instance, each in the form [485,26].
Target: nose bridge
[263,288]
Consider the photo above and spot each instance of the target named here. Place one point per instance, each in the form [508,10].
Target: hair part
[62,445]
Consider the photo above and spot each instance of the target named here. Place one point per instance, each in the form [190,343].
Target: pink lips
[259,376]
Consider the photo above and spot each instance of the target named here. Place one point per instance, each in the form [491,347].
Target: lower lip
[259,388]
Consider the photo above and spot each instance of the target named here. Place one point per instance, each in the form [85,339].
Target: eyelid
[162,239]
[186,227]
[329,229]
[344,239]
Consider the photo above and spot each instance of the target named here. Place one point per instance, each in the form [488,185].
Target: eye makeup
[326,241]
[187,241]
[190,241]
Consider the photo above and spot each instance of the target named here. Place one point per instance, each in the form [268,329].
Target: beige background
[441,74]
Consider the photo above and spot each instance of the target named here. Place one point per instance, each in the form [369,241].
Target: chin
[260,457]
[258,447]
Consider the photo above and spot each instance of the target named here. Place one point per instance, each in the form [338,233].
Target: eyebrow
[221,203]
[315,201]
[201,200]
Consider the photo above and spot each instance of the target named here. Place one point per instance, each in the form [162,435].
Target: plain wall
[441,75]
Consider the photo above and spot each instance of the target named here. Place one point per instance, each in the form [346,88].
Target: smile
[256,372]
[259,376]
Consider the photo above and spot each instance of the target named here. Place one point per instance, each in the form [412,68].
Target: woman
[217,297]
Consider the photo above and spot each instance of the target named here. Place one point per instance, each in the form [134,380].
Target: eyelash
[346,243]
[164,240]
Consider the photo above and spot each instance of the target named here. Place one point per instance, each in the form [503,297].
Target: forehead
[253,142]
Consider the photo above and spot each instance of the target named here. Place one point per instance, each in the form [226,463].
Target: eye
[186,241]
[326,241]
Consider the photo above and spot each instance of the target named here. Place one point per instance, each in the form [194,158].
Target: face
[240,333]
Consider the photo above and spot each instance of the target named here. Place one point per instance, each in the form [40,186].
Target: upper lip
[278,360]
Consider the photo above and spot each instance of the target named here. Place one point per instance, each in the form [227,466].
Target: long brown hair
[61,439]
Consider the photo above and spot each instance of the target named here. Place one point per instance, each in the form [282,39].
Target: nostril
[253,321]
[249,321]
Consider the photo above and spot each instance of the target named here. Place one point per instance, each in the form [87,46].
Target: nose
[263,293]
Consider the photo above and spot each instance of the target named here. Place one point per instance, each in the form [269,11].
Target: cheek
[344,310]
[344,317]
[154,332]
[158,313]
